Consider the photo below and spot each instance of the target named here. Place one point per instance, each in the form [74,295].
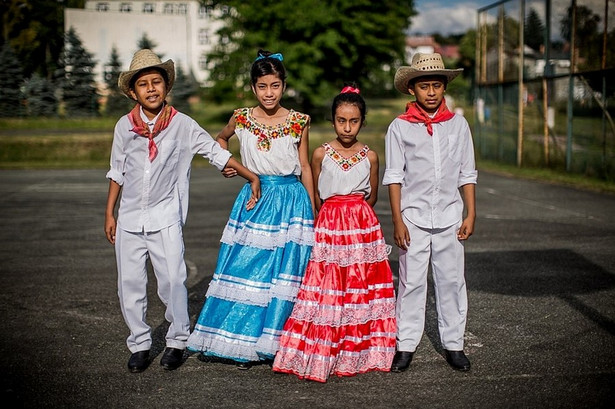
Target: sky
[446,16]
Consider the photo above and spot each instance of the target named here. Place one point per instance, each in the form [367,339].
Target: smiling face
[429,92]
[347,123]
[150,91]
[268,90]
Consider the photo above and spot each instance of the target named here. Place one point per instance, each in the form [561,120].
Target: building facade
[182,30]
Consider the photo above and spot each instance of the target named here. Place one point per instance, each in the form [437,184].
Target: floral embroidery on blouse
[346,163]
[293,126]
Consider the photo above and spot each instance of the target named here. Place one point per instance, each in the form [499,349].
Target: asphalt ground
[540,333]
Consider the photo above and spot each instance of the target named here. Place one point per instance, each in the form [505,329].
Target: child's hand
[110,226]
[401,235]
[255,186]
[229,172]
[466,229]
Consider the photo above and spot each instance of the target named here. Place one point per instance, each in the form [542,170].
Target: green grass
[39,143]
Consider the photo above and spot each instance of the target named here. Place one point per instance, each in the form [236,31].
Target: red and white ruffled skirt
[343,322]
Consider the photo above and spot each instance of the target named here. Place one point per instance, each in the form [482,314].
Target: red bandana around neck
[139,127]
[414,113]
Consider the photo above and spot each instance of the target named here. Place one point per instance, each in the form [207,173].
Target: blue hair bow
[277,56]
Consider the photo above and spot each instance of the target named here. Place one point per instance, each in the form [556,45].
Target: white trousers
[446,253]
[165,248]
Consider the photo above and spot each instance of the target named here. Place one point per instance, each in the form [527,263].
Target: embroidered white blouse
[270,150]
[155,194]
[344,176]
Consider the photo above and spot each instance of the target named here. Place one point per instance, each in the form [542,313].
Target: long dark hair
[267,65]
[350,94]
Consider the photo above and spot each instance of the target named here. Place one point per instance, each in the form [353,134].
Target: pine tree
[183,89]
[146,42]
[534,33]
[117,103]
[76,66]
[11,81]
[40,97]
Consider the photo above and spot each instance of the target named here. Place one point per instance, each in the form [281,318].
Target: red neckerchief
[139,127]
[414,113]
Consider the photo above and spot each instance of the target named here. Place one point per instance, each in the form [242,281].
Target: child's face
[429,93]
[150,91]
[268,90]
[347,123]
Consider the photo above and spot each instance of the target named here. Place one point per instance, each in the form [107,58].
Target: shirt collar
[150,122]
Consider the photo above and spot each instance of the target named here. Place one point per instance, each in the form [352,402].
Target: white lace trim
[329,232]
[342,315]
[351,254]
[357,291]
[319,368]
[268,237]
[251,295]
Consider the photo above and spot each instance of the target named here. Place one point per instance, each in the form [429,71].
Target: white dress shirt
[155,194]
[430,169]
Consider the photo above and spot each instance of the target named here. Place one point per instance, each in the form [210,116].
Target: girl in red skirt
[343,322]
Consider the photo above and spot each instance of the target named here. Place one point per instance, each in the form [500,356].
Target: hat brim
[125,77]
[405,74]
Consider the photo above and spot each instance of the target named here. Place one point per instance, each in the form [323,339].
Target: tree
[534,30]
[183,89]
[40,97]
[146,42]
[117,103]
[76,66]
[35,30]
[588,41]
[11,80]
[323,43]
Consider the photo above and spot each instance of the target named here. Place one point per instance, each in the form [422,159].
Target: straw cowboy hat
[141,60]
[423,65]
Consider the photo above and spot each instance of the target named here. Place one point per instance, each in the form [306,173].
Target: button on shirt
[155,194]
[430,169]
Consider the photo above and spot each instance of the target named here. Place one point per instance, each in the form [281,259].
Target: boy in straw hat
[153,146]
[429,156]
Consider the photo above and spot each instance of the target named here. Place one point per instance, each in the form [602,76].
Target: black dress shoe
[401,361]
[172,358]
[457,360]
[139,361]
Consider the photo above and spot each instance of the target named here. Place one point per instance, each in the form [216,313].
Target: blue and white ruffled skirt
[263,256]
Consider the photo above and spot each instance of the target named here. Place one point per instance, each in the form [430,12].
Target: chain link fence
[545,84]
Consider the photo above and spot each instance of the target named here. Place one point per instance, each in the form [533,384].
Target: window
[206,11]
[182,8]
[203,61]
[203,36]
[148,7]
[102,7]
[168,8]
[125,7]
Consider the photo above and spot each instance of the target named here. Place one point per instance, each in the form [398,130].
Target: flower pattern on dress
[346,163]
[293,126]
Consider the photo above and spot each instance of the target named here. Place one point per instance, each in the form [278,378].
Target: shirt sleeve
[117,163]
[468,173]
[203,144]
[394,156]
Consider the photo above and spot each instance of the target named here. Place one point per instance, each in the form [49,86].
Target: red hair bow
[348,89]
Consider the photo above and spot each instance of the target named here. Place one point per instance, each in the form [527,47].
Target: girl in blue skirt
[264,251]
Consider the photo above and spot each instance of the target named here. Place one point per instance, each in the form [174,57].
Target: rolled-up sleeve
[117,162]
[467,173]
[394,156]
[204,145]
